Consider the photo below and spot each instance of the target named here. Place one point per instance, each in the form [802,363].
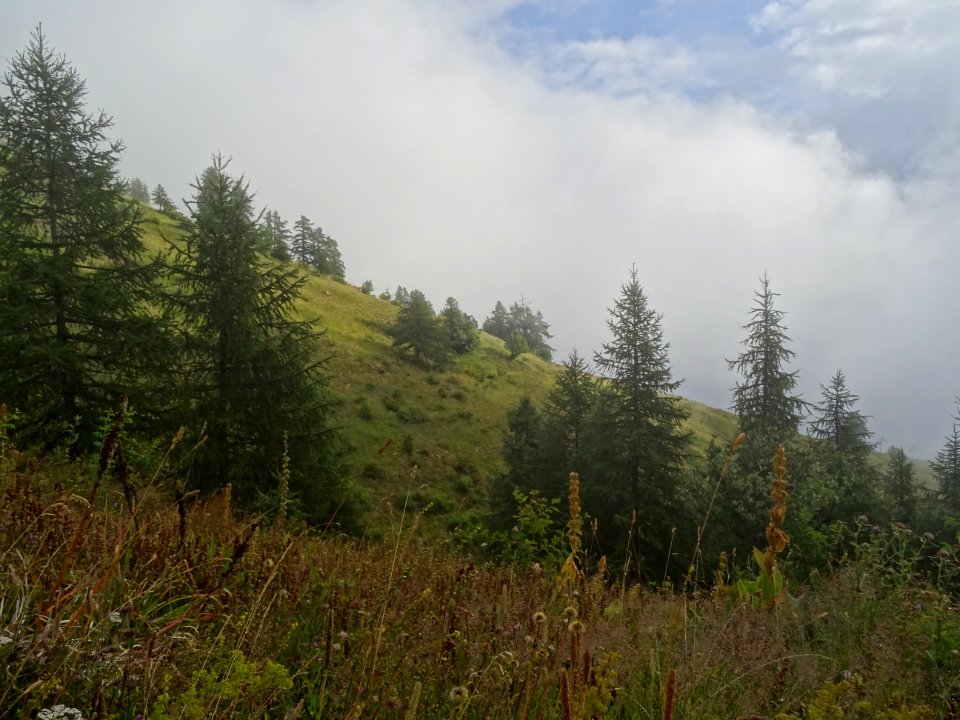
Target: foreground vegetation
[124,598]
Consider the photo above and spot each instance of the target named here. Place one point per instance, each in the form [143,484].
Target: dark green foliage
[325,255]
[946,468]
[837,421]
[568,408]
[75,331]
[901,485]
[366,287]
[401,296]
[301,246]
[459,329]
[516,345]
[498,324]
[763,400]
[523,455]
[642,419]
[137,189]
[251,373]
[418,329]
[521,328]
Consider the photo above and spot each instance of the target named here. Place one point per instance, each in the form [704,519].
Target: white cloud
[440,161]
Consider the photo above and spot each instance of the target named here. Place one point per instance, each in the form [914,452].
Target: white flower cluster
[60,712]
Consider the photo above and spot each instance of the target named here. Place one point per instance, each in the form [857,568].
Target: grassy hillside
[448,423]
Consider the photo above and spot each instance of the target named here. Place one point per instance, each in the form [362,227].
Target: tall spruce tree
[75,330]
[252,373]
[643,419]
[946,467]
[764,400]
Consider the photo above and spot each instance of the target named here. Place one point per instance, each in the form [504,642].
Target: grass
[184,608]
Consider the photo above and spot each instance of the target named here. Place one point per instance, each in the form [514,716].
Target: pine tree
[764,401]
[417,328]
[252,373]
[946,467]
[643,417]
[75,330]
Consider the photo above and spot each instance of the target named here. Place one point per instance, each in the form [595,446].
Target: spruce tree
[837,421]
[569,404]
[643,419]
[252,372]
[946,467]
[325,255]
[764,400]
[75,330]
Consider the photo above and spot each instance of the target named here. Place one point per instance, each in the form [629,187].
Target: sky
[505,149]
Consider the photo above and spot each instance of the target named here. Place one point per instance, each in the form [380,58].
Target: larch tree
[253,374]
[75,285]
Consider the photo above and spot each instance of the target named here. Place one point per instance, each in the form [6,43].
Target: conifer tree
[325,254]
[459,329]
[301,246]
[764,400]
[417,328]
[569,405]
[252,373]
[138,190]
[498,324]
[642,416]
[162,202]
[946,467]
[837,421]
[901,486]
[75,330]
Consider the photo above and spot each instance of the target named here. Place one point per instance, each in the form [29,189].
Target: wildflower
[569,613]
[577,627]
[343,634]
[114,617]
[335,647]
[459,694]
[60,712]
[539,617]
[5,640]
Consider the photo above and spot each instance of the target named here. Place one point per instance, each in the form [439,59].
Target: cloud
[442,161]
